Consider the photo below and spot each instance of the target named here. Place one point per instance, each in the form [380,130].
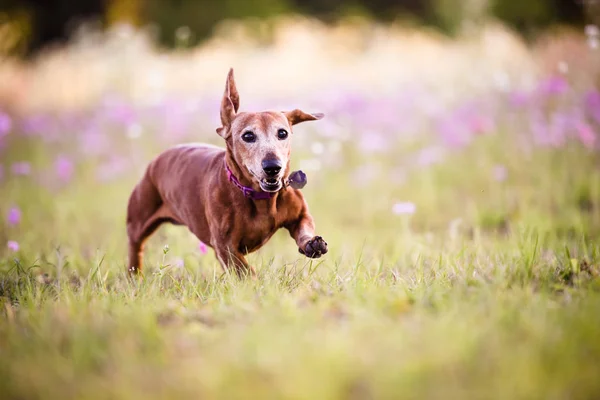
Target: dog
[232,199]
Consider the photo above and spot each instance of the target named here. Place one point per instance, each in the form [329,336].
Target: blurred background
[157,47]
[455,177]
[36,24]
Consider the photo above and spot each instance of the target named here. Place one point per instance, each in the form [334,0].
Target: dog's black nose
[271,167]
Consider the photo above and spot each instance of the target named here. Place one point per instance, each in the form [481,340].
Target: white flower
[404,207]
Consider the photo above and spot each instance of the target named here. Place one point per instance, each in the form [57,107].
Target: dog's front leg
[230,258]
[303,232]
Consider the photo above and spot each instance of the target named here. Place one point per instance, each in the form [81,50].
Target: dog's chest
[259,231]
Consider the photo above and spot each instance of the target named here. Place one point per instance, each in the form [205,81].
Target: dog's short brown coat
[188,185]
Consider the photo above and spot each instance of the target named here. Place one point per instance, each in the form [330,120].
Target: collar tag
[297,180]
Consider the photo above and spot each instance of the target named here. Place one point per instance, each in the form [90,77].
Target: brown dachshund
[232,199]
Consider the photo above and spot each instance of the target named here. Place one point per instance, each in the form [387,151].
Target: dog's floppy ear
[229,104]
[296,116]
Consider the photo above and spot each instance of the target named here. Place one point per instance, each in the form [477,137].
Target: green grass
[490,290]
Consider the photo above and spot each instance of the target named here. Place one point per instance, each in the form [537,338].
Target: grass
[503,304]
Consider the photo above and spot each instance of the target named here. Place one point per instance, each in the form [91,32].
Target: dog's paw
[315,247]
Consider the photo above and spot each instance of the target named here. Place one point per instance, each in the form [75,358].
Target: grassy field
[464,255]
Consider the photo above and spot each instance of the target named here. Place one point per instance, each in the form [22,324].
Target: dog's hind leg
[144,216]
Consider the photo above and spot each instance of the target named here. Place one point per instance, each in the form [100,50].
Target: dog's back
[174,186]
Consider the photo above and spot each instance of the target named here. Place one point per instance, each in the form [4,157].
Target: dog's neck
[247,191]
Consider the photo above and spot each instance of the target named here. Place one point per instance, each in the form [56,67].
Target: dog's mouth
[270,184]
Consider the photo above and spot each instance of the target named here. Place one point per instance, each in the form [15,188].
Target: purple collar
[247,191]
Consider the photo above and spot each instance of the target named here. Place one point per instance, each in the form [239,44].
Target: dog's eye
[282,134]
[249,137]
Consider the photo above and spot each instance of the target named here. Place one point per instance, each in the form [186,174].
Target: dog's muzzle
[271,169]
[270,184]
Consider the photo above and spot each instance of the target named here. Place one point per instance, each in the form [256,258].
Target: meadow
[457,183]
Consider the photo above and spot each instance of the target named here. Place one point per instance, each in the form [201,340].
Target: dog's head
[259,142]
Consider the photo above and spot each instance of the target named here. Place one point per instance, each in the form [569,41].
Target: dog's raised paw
[315,247]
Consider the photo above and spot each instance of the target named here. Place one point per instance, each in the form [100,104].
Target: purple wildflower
[592,104]
[203,248]
[37,125]
[21,168]
[518,99]
[93,140]
[555,85]
[14,216]
[120,111]
[453,133]
[559,127]
[586,134]
[352,103]
[5,124]
[372,142]
[481,124]
[179,263]
[64,168]
[12,245]
[458,127]
[550,131]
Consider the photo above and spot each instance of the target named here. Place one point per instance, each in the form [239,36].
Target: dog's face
[259,142]
[261,146]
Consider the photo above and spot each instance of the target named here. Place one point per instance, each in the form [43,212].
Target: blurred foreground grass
[464,260]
